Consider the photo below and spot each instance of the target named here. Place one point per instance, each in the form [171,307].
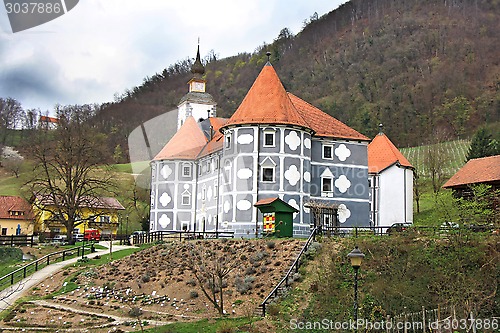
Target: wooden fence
[18,240]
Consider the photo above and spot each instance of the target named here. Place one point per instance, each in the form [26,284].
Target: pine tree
[482,145]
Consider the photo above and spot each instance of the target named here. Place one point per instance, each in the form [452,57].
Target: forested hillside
[423,68]
[417,66]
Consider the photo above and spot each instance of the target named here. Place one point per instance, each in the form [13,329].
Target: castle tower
[197,102]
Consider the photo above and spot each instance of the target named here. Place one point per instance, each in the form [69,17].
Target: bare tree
[69,173]
[211,269]
[436,159]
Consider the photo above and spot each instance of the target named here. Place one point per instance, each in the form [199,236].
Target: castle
[213,170]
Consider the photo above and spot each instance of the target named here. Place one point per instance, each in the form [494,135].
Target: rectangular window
[4,231]
[326,185]
[105,219]
[204,194]
[267,174]
[209,166]
[228,142]
[186,170]
[186,199]
[216,163]
[268,139]
[327,152]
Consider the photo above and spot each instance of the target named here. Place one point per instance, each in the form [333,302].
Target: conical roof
[267,102]
[382,153]
[186,144]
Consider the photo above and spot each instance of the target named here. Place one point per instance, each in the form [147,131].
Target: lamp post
[126,233]
[356,257]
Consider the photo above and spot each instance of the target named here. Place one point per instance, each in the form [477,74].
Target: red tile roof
[382,153]
[267,103]
[88,202]
[267,201]
[47,119]
[186,144]
[322,123]
[10,204]
[479,170]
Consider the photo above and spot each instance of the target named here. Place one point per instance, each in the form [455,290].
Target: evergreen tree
[482,145]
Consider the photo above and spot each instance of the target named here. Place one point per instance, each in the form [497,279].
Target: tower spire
[198,69]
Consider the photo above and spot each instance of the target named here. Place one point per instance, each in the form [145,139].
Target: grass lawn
[206,326]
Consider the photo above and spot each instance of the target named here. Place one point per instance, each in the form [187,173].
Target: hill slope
[416,66]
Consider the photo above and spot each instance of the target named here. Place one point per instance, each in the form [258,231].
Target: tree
[68,172]
[10,114]
[11,160]
[483,145]
[435,158]
[211,269]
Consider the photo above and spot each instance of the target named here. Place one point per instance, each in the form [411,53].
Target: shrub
[193,294]
[271,245]
[146,277]
[191,282]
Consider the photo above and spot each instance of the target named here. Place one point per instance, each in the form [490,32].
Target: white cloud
[104,47]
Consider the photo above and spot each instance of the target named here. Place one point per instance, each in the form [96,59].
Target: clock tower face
[198,86]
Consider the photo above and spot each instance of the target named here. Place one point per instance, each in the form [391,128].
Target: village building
[211,173]
[16,216]
[485,170]
[391,183]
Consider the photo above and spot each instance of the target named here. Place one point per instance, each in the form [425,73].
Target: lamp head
[356,257]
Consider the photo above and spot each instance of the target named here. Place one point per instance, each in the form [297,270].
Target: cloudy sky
[102,47]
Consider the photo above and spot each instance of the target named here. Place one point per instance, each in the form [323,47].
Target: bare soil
[157,281]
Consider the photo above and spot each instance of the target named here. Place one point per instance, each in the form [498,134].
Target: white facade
[392,196]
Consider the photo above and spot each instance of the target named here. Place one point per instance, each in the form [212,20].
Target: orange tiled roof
[478,170]
[10,204]
[382,153]
[214,145]
[267,103]
[186,144]
[266,201]
[322,123]
[47,119]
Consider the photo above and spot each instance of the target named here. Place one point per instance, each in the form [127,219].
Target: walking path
[10,295]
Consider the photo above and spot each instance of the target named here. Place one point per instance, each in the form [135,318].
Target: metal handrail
[35,263]
[149,237]
[295,265]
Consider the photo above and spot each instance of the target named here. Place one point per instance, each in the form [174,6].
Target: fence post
[64,255]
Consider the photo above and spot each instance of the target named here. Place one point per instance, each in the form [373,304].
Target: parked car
[398,227]
[78,237]
[60,239]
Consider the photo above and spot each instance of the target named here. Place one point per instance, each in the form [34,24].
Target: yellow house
[16,216]
[97,213]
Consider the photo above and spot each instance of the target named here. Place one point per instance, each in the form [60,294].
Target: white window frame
[325,145]
[263,173]
[105,219]
[186,194]
[204,193]
[268,163]
[227,140]
[323,192]
[273,134]
[188,168]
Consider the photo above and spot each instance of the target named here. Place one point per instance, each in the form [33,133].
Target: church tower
[197,102]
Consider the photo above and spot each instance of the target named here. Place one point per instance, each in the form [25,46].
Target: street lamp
[356,257]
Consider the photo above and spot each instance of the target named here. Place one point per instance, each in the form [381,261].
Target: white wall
[395,196]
